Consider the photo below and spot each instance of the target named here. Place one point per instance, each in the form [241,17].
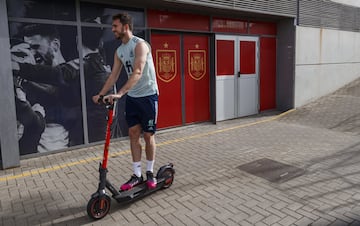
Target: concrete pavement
[322,138]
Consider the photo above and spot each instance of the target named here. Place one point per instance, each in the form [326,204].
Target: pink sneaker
[151,181]
[134,180]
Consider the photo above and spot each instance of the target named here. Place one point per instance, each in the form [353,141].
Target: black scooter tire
[168,174]
[93,207]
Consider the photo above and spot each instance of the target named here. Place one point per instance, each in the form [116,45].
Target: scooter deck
[138,191]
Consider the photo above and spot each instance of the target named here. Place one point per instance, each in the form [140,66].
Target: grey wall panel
[285,70]
[272,7]
[8,132]
[327,14]
[314,13]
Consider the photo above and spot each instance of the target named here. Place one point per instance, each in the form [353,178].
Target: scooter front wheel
[98,207]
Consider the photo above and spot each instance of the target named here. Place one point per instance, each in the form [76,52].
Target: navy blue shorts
[143,111]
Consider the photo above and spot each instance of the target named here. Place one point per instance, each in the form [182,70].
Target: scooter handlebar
[106,102]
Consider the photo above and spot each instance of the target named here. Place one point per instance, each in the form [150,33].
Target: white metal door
[225,73]
[248,76]
[236,89]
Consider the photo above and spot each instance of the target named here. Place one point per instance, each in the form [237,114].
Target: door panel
[248,90]
[247,96]
[247,57]
[225,75]
[225,57]
[197,80]
[225,99]
[166,53]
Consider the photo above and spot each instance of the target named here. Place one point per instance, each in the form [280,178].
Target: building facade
[215,60]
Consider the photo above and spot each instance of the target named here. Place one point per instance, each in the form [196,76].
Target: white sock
[137,168]
[150,165]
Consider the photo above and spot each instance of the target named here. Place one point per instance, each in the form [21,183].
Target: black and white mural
[46,72]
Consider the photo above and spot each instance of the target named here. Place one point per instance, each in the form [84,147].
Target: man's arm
[141,51]
[41,73]
[113,77]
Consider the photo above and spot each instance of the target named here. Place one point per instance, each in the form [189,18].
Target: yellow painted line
[88,160]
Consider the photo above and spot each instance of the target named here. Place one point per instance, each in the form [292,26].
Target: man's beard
[44,60]
[120,36]
[48,58]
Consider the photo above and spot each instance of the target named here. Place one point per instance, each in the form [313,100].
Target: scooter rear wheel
[168,174]
[98,207]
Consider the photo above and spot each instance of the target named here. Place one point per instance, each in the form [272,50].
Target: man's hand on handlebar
[96,99]
[111,98]
[108,99]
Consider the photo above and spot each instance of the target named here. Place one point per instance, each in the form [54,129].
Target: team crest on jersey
[197,63]
[166,64]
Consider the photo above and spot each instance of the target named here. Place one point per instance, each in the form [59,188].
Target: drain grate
[271,170]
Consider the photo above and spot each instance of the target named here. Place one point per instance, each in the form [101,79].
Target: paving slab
[322,138]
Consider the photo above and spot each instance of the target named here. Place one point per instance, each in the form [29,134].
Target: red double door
[182,70]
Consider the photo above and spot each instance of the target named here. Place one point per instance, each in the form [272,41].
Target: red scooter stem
[107,140]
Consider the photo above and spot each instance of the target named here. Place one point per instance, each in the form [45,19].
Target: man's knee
[149,137]
[134,132]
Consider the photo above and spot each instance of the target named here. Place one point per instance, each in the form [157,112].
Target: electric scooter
[99,203]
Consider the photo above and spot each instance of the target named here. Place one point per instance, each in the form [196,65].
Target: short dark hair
[124,18]
[44,30]
[91,37]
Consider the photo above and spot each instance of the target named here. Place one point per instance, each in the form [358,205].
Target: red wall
[225,25]
[166,54]
[179,21]
[197,78]
[170,112]
[267,73]
[262,28]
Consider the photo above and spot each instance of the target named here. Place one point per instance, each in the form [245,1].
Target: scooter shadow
[83,220]
[86,220]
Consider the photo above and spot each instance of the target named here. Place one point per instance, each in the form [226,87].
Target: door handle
[239,74]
